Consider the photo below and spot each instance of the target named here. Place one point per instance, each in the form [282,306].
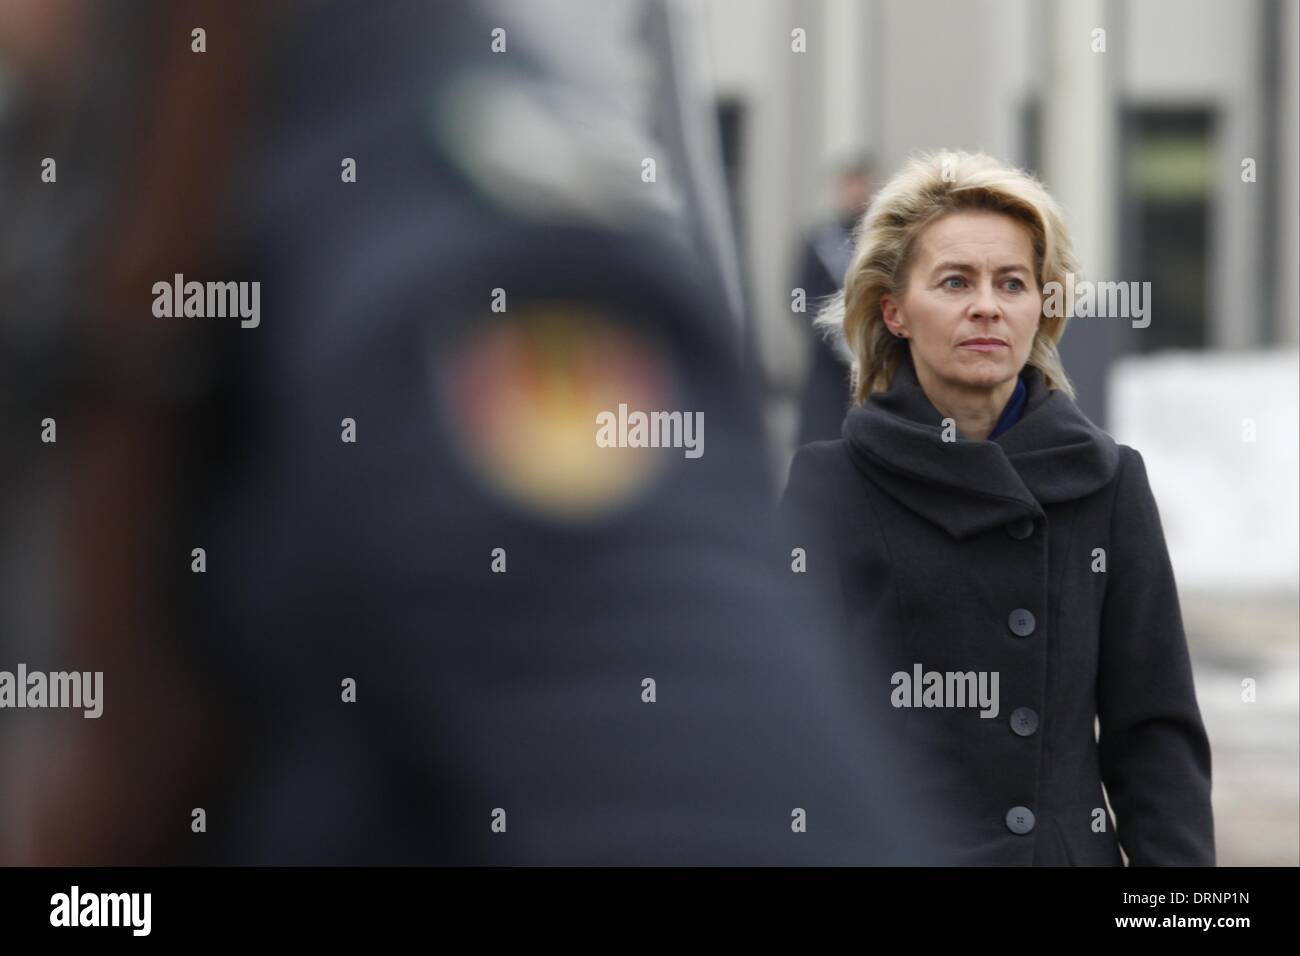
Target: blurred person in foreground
[989,536]
[436,620]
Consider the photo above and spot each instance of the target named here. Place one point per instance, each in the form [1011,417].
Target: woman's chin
[988,375]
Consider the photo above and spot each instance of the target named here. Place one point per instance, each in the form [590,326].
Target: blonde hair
[929,186]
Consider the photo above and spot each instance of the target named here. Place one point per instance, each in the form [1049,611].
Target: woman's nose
[985,304]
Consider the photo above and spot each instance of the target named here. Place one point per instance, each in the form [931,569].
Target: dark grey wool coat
[1038,556]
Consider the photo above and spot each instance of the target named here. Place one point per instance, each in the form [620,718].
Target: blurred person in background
[824,261]
[432,621]
[981,525]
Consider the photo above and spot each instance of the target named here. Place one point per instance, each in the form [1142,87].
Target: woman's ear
[889,312]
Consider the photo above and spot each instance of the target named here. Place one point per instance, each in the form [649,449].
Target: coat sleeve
[1155,756]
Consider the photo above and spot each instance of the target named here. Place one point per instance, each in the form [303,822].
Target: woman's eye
[952,279]
[1015,285]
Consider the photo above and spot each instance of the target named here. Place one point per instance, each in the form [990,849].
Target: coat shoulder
[1130,481]
[1127,453]
[827,486]
[822,451]
[1133,497]
[1130,461]
[819,463]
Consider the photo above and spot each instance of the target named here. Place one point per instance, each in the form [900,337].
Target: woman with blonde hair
[1002,553]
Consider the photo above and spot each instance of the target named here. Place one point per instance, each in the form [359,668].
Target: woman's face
[972,303]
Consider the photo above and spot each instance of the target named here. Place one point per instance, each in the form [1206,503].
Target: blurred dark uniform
[479,691]
[825,398]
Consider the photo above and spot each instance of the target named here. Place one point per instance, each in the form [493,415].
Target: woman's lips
[983,345]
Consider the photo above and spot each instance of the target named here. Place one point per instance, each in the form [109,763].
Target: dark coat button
[1021,622]
[1020,819]
[1024,721]
[1021,529]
